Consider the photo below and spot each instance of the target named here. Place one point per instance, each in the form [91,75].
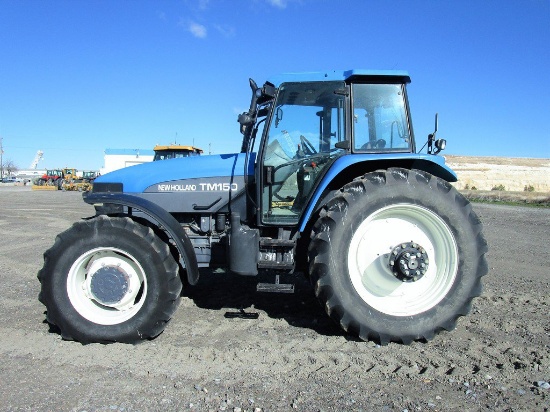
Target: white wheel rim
[80,289]
[369,256]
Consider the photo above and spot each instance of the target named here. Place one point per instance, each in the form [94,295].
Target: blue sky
[78,77]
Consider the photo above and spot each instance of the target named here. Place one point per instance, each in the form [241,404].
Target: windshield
[379,118]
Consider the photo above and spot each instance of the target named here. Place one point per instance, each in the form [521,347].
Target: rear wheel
[109,280]
[397,255]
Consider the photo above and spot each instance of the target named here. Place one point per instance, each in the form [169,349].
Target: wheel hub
[408,262]
[112,282]
[109,285]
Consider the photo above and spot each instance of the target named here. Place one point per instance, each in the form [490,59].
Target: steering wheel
[307,146]
[378,144]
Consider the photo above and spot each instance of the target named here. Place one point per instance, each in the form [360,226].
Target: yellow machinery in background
[65,179]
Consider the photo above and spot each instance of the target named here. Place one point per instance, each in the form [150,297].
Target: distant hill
[515,174]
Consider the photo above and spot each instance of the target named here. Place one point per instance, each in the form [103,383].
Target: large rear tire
[109,280]
[397,255]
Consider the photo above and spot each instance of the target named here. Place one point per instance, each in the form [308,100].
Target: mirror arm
[431,137]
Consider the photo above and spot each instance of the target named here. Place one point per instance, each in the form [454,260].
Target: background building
[119,158]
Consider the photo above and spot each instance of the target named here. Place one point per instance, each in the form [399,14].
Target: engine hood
[136,179]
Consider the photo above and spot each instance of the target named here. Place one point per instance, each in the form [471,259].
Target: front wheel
[109,280]
[397,255]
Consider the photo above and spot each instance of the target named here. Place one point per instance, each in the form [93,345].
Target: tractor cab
[175,151]
[311,123]
[52,174]
[69,174]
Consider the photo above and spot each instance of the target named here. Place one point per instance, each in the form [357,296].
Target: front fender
[163,219]
[348,167]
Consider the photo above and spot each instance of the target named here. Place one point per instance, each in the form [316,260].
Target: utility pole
[1,159]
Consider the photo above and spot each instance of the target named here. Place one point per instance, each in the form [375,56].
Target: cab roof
[175,147]
[342,75]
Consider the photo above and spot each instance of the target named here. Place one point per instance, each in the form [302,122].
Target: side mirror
[278,116]
[440,145]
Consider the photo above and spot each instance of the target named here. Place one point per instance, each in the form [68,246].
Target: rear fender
[164,220]
[348,167]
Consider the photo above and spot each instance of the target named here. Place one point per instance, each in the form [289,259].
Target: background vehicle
[70,174]
[56,178]
[328,182]
[52,177]
[9,180]
[89,176]
[174,151]
[81,182]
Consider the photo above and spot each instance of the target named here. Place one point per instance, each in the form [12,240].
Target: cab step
[276,287]
[276,254]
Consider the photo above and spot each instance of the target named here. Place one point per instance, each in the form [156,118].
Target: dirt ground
[292,357]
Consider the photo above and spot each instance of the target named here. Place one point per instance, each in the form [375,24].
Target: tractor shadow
[237,295]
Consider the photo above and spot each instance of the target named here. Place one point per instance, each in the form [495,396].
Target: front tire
[397,255]
[109,280]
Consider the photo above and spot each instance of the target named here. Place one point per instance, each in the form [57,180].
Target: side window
[379,118]
[361,127]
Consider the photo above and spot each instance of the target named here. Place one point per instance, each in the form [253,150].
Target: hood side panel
[139,178]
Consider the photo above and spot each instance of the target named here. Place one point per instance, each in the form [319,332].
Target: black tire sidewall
[119,234]
[434,196]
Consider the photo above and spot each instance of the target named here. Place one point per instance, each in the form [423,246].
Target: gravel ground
[292,357]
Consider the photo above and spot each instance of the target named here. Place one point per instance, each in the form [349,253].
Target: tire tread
[91,227]
[332,214]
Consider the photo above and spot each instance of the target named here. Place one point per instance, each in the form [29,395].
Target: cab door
[308,120]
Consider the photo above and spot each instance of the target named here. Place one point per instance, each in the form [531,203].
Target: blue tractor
[329,182]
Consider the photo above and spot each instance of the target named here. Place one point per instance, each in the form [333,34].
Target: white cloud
[203,4]
[226,31]
[197,30]
[280,4]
